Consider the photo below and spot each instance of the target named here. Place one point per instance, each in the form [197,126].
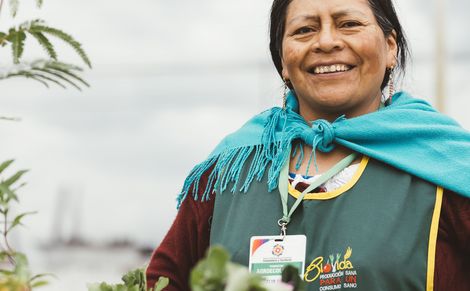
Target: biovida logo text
[334,273]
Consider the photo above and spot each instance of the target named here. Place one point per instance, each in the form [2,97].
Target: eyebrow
[335,15]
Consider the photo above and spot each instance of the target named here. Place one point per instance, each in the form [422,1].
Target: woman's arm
[184,245]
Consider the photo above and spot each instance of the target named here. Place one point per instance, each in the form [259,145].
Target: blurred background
[170,79]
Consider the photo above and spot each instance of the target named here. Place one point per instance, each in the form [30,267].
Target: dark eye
[349,24]
[304,30]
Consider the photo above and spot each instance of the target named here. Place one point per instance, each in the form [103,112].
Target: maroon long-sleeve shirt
[188,239]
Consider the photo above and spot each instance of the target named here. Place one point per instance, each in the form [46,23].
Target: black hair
[384,13]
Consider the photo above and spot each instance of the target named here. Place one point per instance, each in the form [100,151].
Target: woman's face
[335,56]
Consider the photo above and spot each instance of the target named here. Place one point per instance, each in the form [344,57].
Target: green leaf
[67,71]
[133,281]
[29,76]
[47,78]
[17,39]
[39,3]
[210,274]
[67,38]
[10,181]
[38,276]
[17,220]
[52,72]
[14,5]
[135,278]
[239,278]
[291,275]
[5,165]
[22,271]
[10,194]
[57,75]
[99,287]
[45,43]
[162,282]
[19,186]
[7,272]
[21,259]
[3,38]
[3,212]
[39,284]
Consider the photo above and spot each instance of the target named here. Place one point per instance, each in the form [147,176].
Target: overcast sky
[170,79]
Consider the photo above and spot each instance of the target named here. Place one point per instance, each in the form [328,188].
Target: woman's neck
[324,161]
[310,112]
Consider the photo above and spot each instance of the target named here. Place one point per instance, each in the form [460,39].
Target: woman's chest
[376,235]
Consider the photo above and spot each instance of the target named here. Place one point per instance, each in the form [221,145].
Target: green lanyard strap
[283,188]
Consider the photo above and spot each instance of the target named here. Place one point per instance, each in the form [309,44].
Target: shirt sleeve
[184,245]
[453,244]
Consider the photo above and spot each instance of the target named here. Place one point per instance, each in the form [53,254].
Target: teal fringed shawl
[408,134]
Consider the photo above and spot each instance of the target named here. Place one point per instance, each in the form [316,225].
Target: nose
[327,40]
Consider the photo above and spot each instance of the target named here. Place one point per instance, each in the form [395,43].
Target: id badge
[269,255]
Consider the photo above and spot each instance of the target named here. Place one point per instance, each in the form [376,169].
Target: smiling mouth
[329,69]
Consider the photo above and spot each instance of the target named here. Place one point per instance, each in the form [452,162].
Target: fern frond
[63,68]
[17,38]
[57,64]
[45,71]
[45,43]
[45,78]
[67,38]
[14,5]
[57,75]
[29,76]
[69,73]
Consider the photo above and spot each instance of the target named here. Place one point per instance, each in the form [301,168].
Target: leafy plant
[290,275]
[134,280]
[213,273]
[15,274]
[45,71]
[217,273]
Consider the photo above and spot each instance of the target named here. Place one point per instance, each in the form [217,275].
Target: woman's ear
[392,48]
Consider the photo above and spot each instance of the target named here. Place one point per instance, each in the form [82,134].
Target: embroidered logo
[337,273]
[278,250]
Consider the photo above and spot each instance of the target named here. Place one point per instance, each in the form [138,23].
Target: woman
[372,215]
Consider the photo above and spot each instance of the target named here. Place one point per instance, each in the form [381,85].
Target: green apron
[376,232]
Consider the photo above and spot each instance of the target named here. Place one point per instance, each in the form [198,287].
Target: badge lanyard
[283,188]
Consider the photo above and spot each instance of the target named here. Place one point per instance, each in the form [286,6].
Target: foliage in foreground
[214,273]
[15,274]
[132,281]
[48,70]
[217,273]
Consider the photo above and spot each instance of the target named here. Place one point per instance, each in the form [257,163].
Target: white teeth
[331,69]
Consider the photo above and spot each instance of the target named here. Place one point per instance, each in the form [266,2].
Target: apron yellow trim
[433,239]
[335,193]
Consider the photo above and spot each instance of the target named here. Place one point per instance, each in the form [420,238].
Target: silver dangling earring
[284,95]
[391,85]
